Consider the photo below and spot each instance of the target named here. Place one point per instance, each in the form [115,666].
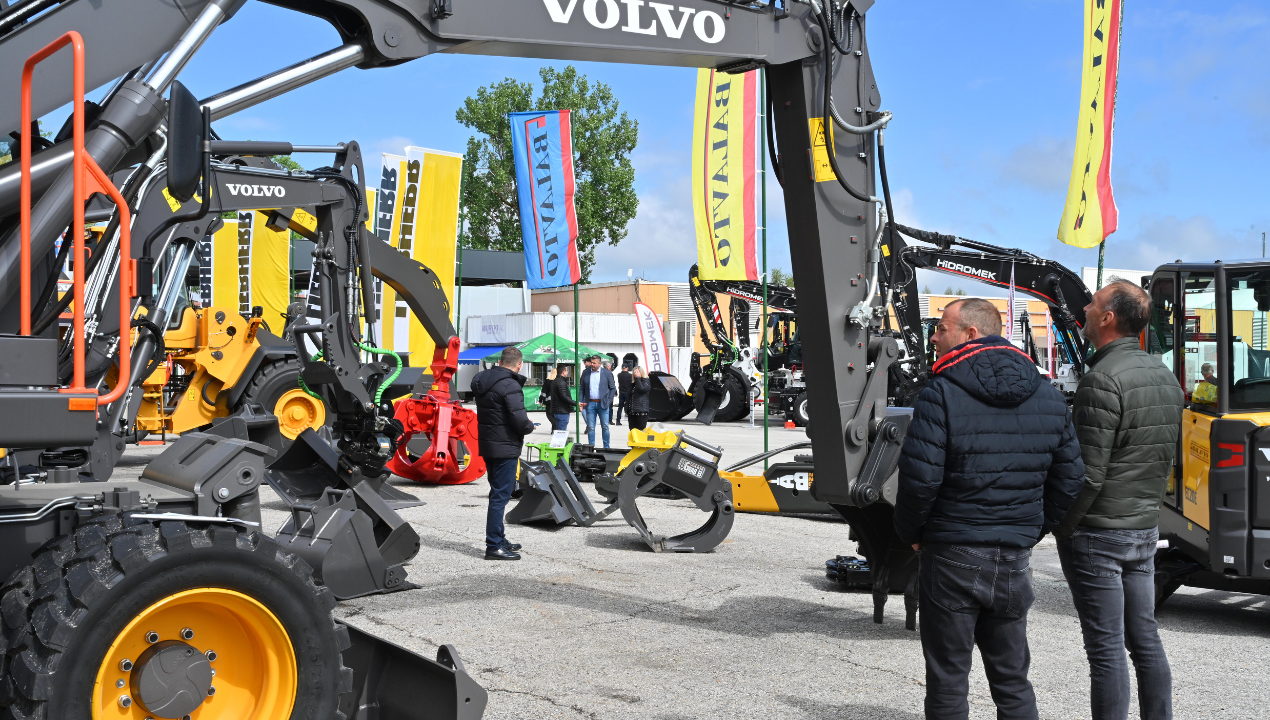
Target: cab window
[1249,358]
[1199,339]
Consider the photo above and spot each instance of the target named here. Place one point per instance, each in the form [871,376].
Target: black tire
[61,614]
[272,380]
[736,401]
[798,414]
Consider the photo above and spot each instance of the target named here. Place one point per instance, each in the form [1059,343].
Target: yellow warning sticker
[886,250]
[819,153]
[176,204]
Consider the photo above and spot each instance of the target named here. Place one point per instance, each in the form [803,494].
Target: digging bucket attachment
[694,476]
[393,683]
[340,522]
[552,493]
[252,423]
[715,394]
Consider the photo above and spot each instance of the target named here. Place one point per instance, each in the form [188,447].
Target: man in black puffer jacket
[502,426]
[990,464]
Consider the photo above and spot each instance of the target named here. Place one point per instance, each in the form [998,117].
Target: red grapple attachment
[446,423]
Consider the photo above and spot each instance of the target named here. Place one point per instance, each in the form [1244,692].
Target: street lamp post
[554,310]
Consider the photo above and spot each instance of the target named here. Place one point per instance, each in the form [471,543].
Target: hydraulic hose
[379,392]
[771,141]
[890,213]
[129,192]
[827,116]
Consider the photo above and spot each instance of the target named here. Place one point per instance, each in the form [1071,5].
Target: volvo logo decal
[641,18]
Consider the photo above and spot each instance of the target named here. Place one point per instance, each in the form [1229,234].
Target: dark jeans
[976,595]
[560,422]
[639,421]
[502,480]
[621,403]
[1111,574]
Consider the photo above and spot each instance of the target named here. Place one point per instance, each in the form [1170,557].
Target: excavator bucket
[393,683]
[714,396]
[341,522]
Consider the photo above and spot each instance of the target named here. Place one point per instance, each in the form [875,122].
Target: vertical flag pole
[762,154]
[577,419]
[1102,249]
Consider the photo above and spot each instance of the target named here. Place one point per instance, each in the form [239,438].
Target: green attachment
[550,454]
[304,387]
[379,392]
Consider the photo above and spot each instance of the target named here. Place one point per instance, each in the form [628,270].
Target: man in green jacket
[1128,413]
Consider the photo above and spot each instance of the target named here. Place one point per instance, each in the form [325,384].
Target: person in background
[596,393]
[544,395]
[623,391]
[1128,414]
[640,387]
[1206,390]
[503,424]
[561,399]
[990,464]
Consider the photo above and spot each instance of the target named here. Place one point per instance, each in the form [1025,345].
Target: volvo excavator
[151,553]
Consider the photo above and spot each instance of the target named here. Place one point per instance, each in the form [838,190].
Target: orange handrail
[95,182]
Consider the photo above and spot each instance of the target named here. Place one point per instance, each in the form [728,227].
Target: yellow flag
[724,150]
[431,190]
[1090,213]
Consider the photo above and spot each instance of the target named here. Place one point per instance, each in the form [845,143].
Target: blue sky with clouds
[985,99]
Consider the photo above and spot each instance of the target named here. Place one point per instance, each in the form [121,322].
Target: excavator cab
[1209,324]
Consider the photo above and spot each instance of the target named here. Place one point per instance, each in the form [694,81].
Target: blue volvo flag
[542,144]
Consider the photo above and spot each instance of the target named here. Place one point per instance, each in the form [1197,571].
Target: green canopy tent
[545,349]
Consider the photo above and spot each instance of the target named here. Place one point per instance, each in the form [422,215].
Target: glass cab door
[1161,342]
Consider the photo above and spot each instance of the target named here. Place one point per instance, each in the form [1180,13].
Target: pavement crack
[579,710]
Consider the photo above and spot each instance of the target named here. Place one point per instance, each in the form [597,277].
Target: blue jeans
[976,595]
[502,480]
[560,422]
[596,414]
[1111,574]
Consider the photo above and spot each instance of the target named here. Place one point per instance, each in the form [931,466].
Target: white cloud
[662,239]
[1043,163]
[396,145]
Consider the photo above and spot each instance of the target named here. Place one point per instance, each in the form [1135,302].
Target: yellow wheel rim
[255,668]
[297,410]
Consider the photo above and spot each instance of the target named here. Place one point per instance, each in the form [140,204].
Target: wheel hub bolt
[152,637]
[186,633]
[211,691]
[119,683]
[125,665]
[125,701]
[211,656]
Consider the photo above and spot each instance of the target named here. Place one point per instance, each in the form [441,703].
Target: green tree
[603,140]
[948,290]
[286,162]
[778,276]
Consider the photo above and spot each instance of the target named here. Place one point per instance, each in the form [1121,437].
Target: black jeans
[621,403]
[976,595]
[502,480]
[1111,574]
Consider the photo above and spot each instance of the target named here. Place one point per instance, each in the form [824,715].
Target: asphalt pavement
[593,624]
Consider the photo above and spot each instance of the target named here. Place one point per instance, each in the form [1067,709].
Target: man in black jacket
[503,425]
[990,464]
[623,391]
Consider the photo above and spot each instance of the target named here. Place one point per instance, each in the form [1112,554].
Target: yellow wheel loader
[1209,324]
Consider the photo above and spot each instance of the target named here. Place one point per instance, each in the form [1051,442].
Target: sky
[985,104]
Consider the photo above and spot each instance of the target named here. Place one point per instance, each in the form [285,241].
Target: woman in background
[640,387]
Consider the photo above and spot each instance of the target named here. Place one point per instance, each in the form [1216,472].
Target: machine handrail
[89,180]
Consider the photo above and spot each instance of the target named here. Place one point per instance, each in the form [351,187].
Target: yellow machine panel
[1197,455]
